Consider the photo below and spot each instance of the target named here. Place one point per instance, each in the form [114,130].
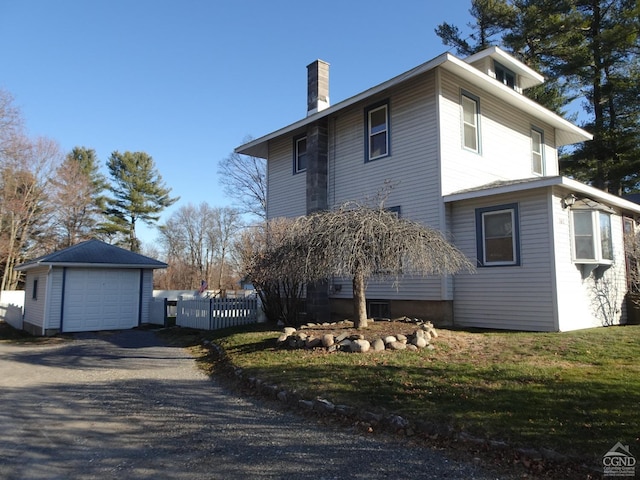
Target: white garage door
[100,299]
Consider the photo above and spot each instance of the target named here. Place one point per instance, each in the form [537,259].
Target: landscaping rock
[397,345]
[328,340]
[341,337]
[313,342]
[419,342]
[360,346]
[348,341]
[378,345]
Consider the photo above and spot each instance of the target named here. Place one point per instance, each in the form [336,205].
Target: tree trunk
[359,301]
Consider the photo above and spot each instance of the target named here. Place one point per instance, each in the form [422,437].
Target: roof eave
[568,183]
[259,147]
[566,132]
[31,266]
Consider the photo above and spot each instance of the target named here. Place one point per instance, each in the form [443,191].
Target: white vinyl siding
[54,299]
[286,192]
[146,295]
[412,170]
[577,285]
[34,308]
[506,140]
[507,297]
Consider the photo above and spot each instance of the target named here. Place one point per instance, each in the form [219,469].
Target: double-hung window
[537,151]
[299,154]
[497,236]
[592,237]
[377,120]
[470,122]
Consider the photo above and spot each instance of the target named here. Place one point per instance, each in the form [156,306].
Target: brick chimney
[317,86]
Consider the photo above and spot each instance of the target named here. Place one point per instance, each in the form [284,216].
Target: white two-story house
[470,155]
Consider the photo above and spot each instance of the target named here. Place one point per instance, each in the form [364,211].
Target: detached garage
[90,286]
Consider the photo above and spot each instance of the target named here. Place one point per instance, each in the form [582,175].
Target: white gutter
[567,134]
[568,183]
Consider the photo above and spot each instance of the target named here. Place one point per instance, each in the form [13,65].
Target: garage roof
[94,253]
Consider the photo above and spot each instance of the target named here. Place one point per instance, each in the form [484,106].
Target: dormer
[498,64]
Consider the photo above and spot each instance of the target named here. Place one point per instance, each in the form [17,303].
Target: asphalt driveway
[121,405]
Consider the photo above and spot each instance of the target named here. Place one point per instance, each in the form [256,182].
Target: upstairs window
[592,237]
[299,154]
[470,122]
[497,236]
[537,151]
[504,75]
[377,132]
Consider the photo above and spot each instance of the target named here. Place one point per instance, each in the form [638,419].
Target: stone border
[356,343]
[391,423]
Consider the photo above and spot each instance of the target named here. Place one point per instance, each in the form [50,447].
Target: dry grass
[575,393]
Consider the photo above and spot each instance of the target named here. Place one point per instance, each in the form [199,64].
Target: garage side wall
[146,294]
[34,300]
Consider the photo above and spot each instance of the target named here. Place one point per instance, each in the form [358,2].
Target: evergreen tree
[586,49]
[138,194]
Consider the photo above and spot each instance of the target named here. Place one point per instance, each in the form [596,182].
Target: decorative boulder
[360,346]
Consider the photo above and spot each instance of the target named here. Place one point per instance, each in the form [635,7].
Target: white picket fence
[216,313]
[12,307]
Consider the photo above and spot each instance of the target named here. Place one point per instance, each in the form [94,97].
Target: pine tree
[587,50]
[138,192]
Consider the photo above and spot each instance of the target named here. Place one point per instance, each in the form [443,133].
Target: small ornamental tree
[360,242]
[275,274]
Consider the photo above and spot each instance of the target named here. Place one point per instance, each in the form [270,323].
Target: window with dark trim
[299,154]
[497,236]
[537,151]
[377,131]
[396,209]
[470,121]
[34,293]
[504,75]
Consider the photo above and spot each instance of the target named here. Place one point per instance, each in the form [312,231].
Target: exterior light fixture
[569,200]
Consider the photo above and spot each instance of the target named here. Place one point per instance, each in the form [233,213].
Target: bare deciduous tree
[245,180]
[196,240]
[277,280]
[360,242]
[25,170]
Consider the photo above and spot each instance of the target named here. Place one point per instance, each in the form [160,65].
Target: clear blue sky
[186,81]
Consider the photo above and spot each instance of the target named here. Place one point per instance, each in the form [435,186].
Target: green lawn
[577,393]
